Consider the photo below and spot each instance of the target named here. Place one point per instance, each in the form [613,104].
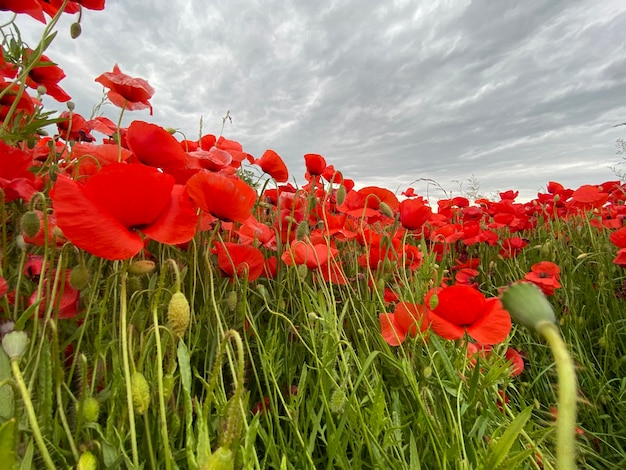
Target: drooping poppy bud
[79,277]
[527,304]
[30,224]
[90,410]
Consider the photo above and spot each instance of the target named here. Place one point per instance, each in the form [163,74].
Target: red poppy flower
[406,320]
[226,198]
[240,260]
[462,309]
[154,146]
[315,164]
[414,213]
[104,215]
[271,163]
[15,179]
[126,91]
[66,301]
[545,274]
[48,74]
[309,254]
[36,8]
[4,286]
[74,127]
[618,237]
[10,92]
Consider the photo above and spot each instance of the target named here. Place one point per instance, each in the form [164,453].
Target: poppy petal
[88,227]
[391,332]
[177,223]
[493,327]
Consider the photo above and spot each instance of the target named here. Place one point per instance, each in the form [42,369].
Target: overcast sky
[514,93]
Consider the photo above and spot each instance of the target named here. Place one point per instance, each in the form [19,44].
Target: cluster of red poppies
[111,199]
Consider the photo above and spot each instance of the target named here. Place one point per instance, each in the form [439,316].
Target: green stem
[127,378]
[567,396]
[32,418]
[162,411]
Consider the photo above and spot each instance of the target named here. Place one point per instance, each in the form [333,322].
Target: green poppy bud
[179,314]
[75,30]
[90,410]
[30,224]
[341,195]
[527,304]
[140,393]
[386,210]
[142,266]
[231,300]
[87,461]
[79,277]
[302,231]
[14,344]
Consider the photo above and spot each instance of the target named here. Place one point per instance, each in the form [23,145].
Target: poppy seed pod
[30,224]
[178,314]
[75,30]
[14,344]
[527,304]
[140,393]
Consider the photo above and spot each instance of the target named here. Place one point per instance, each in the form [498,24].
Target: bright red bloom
[228,199]
[36,8]
[414,213]
[15,179]
[105,215]
[4,286]
[406,320]
[240,260]
[545,274]
[66,301]
[618,237]
[48,74]
[271,163]
[315,164]
[305,252]
[126,91]
[74,127]
[462,309]
[154,146]
[10,92]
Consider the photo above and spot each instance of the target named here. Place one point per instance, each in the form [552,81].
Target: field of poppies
[169,303]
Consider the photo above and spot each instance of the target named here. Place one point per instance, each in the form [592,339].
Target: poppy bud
[170,130]
[87,461]
[433,302]
[79,277]
[140,393]
[341,195]
[178,314]
[143,266]
[14,344]
[386,210]
[222,459]
[134,284]
[75,30]
[302,271]
[302,231]
[41,90]
[527,304]
[90,410]
[30,224]
[168,385]
[338,401]
[261,290]
[231,300]
[70,105]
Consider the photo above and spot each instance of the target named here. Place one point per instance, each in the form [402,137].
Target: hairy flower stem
[30,411]
[567,396]
[129,391]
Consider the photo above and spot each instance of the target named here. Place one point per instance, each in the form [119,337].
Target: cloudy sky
[513,93]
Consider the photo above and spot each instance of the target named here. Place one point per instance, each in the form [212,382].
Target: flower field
[173,303]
